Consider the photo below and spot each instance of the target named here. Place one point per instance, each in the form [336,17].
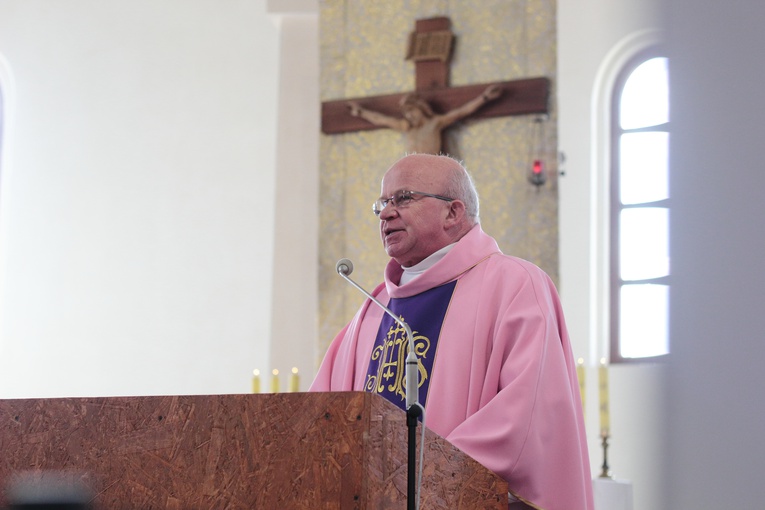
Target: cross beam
[519,97]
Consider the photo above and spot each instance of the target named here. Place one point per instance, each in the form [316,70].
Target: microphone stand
[412,413]
[413,408]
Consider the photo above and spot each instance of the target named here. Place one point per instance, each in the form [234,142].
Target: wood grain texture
[296,451]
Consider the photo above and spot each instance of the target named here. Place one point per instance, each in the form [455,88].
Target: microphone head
[344,266]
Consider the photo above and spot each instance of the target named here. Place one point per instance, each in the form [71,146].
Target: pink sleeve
[323,380]
[529,427]
[338,370]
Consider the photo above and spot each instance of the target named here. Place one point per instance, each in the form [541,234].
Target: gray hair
[460,185]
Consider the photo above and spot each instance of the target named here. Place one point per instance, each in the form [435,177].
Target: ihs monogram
[391,358]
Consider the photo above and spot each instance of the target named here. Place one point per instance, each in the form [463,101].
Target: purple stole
[424,313]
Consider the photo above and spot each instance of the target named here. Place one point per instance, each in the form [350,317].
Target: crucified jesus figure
[420,124]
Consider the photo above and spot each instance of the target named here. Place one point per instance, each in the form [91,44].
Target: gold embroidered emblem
[390,357]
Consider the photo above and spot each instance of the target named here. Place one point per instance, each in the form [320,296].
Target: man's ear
[456,214]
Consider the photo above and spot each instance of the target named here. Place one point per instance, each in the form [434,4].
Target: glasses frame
[381,203]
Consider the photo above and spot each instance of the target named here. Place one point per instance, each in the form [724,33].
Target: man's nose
[389,211]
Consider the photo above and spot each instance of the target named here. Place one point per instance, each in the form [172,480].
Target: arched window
[639,207]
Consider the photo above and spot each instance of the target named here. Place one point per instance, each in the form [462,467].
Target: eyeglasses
[403,199]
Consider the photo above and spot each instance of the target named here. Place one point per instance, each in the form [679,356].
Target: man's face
[412,233]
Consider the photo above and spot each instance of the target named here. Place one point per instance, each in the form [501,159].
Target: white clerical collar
[410,273]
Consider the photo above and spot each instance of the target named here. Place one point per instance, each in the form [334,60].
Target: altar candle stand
[608,492]
[605,423]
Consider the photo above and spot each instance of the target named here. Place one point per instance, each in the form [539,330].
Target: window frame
[615,207]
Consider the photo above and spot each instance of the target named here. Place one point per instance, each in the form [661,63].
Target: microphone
[344,268]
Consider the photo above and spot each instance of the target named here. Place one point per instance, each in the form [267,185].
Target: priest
[497,374]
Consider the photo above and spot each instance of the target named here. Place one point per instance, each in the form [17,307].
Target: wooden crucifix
[424,114]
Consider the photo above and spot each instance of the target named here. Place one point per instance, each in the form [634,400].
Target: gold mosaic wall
[363,43]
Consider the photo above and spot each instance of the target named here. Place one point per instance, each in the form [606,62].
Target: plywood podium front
[297,451]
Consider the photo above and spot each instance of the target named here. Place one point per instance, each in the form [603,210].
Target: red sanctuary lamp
[537,175]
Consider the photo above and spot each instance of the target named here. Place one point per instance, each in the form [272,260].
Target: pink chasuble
[502,386]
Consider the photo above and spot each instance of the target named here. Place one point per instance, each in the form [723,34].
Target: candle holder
[605,470]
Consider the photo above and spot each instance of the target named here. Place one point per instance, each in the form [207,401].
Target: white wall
[594,37]
[136,220]
[295,296]
[716,450]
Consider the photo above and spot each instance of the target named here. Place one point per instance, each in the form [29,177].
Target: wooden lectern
[277,451]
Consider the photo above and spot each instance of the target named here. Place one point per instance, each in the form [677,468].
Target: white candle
[605,421]
[580,374]
[275,381]
[256,381]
